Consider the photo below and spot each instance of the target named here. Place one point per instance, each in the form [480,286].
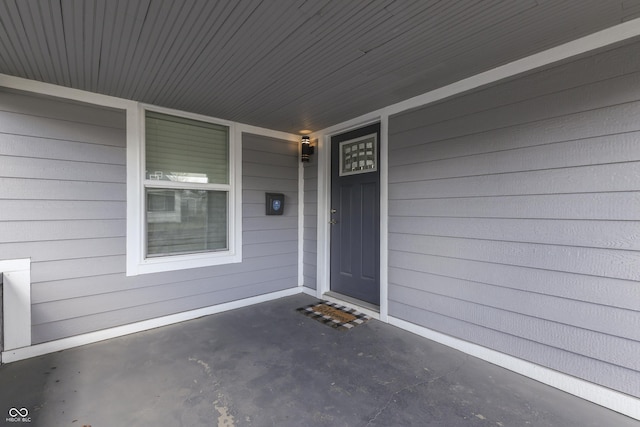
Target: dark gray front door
[355,214]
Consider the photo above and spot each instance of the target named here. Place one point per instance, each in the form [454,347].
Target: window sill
[182,262]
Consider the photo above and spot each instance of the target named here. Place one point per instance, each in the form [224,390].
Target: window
[186,196]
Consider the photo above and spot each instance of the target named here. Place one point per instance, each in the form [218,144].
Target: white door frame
[324,205]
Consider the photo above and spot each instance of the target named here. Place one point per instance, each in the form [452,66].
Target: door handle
[333,221]
[333,211]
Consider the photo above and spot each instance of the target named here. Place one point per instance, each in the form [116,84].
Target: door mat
[334,315]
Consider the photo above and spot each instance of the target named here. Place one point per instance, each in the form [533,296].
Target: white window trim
[136,261]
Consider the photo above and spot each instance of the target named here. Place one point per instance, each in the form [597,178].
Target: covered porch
[268,365]
[474,165]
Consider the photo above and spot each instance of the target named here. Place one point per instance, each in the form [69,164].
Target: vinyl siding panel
[106,283]
[585,206]
[574,364]
[586,233]
[586,71]
[594,289]
[55,210]
[310,231]
[106,319]
[514,218]
[63,204]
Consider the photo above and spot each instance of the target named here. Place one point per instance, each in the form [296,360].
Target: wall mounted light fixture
[307,148]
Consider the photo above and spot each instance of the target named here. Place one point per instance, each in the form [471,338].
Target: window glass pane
[185,150]
[185,221]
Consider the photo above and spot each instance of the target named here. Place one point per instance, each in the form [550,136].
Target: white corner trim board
[93,337]
[16,302]
[600,395]
[300,218]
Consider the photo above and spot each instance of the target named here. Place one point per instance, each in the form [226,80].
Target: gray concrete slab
[268,365]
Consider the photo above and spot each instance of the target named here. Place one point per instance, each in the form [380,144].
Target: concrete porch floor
[268,365]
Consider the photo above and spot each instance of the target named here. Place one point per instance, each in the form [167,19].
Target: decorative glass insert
[359,155]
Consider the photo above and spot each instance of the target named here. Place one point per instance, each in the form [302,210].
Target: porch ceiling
[285,64]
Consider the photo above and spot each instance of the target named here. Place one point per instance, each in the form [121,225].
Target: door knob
[333,211]
[333,221]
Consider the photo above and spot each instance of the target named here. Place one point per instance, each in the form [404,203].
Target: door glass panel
[359,155]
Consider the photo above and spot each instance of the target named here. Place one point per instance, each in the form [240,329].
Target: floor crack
[410,386]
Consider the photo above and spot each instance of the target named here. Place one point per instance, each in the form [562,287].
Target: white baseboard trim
[309,291]
[600,395]
[92,337]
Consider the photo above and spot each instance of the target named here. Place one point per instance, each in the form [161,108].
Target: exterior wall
[310,240]
[1,313]
[514,217]
[63,204]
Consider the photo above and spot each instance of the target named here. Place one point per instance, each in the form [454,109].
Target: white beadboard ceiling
[283,64]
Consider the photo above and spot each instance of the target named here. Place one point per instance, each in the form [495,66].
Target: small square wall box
[275,203]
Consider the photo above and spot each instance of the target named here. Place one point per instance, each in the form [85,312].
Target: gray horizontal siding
[619,264]
[514,217]
[310,230]
[63,204]
[75,287]
[54,210]
[585,71]
[574,364]
[595,316]
[586,233]
[57,311]
[584,206]
[106,319]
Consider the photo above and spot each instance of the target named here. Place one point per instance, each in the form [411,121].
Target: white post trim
[324,201]
[16,303]
[383,167]
[300,218]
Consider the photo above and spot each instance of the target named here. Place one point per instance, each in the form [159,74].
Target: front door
[355,214]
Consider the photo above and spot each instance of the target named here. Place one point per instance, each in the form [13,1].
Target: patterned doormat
[334,315]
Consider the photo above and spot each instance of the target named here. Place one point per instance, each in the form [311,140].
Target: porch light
[307,149]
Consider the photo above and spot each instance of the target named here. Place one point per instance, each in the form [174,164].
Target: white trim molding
[300,218]
[564,51]
[384,218]
[16,304]
[611,399]
[64,92]
[323,247]
[137,262]
[309,291]
[93,337]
